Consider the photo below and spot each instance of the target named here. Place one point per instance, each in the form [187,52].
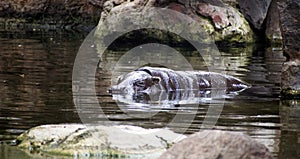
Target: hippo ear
[155,80]
[145,69]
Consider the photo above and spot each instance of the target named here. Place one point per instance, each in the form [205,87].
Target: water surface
[36,88]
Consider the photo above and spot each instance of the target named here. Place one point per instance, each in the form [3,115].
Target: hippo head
[135,82]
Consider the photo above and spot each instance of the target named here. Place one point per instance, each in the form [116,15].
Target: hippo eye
[140,83]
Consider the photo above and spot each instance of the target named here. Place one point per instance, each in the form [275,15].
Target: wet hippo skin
[153,79]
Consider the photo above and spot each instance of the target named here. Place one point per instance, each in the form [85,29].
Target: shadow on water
[36,88]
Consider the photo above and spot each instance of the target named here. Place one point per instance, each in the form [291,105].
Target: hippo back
[171,80]
[195,80]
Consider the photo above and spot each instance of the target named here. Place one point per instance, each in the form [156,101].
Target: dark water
[36,88]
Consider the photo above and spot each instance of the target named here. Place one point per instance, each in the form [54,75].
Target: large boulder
[289,16]
[79,140]
[255,11]
[217,144]
[273,32]
[221,21]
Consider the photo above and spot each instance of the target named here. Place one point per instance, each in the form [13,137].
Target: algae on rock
[87,140]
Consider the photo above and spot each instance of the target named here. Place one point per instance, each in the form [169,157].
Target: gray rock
[289,16]
[255,11]
[290,79]
[217,144]
[4,5]
[273,32]
[95,141]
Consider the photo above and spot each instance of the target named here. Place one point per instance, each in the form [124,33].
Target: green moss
[290,93]
[274,41]
[234,38]
[77,152]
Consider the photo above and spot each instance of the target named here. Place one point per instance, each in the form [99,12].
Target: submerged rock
[95,141]
[290,115]
[217,144]
[289,112]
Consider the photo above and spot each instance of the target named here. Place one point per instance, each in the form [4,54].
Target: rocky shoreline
[78,140]
[98,141]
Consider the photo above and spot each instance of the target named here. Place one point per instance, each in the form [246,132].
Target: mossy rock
[79,140]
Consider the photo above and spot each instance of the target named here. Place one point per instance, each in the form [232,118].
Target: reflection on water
[35,76]
[35,89]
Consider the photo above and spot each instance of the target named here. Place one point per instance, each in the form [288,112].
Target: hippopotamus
[148,80]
